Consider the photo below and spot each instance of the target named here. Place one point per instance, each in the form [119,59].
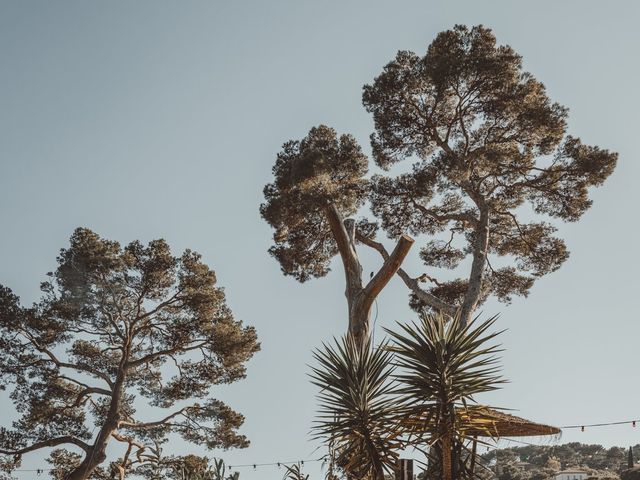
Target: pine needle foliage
[118,328]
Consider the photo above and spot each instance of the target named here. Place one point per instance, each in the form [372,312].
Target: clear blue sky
[152,119]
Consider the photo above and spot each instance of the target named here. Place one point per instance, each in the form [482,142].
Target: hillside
[532,462]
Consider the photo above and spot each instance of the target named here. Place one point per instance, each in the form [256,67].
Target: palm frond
[441,364]
[357,409]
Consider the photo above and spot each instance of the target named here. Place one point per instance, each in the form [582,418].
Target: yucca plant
[155,466]
[358,412]
[293,472]
[442,363]
[152,462]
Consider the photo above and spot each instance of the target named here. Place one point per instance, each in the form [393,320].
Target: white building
[571,475]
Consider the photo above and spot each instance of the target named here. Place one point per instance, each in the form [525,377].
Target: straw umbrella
[485,422]
[478,423]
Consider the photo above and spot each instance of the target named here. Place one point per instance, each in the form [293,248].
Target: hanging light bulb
[634,424]
[582,428]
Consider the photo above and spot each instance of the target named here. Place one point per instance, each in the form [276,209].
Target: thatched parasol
[481,421]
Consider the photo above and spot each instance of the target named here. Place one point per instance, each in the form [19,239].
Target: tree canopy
[114,327]
[486,141]
[321,170]
[320,180]
[493,168]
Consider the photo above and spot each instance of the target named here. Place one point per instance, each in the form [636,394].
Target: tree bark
[96,454]
[360,297]
[446,456]
[52,442]
[480,251]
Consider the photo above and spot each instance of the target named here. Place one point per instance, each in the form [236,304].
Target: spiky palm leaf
[358,413]
[293,472]
[443,363]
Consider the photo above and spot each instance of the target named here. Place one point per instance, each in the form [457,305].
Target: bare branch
[87,387]
[160,353]
[58,363]
[445,217]
[148,425]
[389,268]
[353,270]
[410,282]
[48,443]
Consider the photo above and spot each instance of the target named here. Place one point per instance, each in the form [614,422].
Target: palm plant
[358,412]
[442,364]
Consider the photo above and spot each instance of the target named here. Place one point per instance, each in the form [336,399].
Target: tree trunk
[379,474]
[97,454]
[360,298]
[359,319]
[480,251]
[446,456]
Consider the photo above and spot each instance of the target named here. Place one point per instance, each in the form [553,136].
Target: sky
[159,119]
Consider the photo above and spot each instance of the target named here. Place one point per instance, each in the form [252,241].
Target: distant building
[571,475]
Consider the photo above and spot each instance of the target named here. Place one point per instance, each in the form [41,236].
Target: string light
[279,464]
[582,428]
[37,470]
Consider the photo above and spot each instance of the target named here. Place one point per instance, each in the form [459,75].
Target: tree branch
[174,298]
[352,267]
[390,267]
[58,363]
[125,463]
[446,217]
[89,388]
[410,282]
[48,443]
[147,425]
[129,440]
[160,353]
